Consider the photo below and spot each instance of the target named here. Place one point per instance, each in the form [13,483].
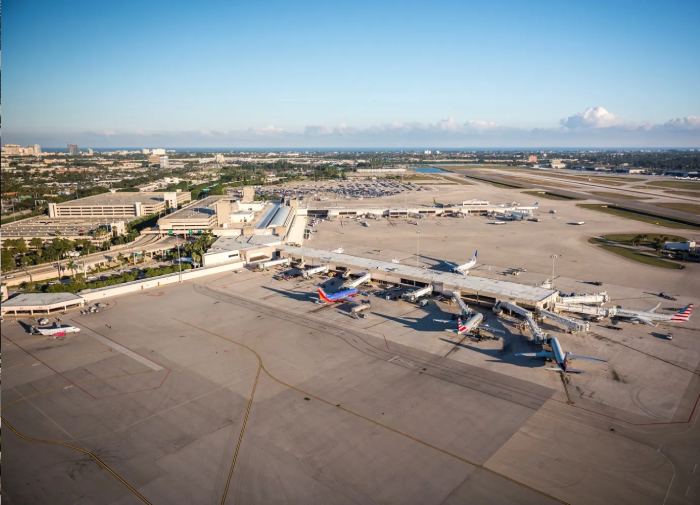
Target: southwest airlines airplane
[562,358]
[340,296]
[462,269]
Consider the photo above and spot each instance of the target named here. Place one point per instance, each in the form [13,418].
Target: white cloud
[686,123]
[266,130]
[592,117]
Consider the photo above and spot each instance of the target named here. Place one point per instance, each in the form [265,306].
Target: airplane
[340,296]
[57,330]
[649,316]
[472,325]
[562,358]
[462,269]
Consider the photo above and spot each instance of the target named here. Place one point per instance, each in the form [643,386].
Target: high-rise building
[11,149]
[163,162]
[73,150]
[145,151]
[37,150]
[89,151]
[159,152]
[153,159]
[532,159]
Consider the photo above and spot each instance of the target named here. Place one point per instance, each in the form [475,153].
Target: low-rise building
[124,205]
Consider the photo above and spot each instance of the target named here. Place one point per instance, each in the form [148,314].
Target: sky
[488,73]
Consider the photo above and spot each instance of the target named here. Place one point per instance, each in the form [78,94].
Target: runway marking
[360,416]
[695,467]
[240,437]
[70,446]
[687,491]
[128,352]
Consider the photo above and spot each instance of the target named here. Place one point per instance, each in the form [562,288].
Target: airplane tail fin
[536,204]
[460,325]
[475,253]
[683,315]
[322,295]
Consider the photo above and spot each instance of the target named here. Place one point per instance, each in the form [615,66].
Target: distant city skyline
[372,74]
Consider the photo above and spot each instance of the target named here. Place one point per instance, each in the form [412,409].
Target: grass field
[549,195]
[626,238]
[657,220]
[457,180]
[496,183]
[635,255]
[676,184]
[621,196]
[685,207]
[695,194]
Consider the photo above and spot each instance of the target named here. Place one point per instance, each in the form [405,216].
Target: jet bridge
[585,309]
[465,311]
[537,334]
[594,298]
[365,277]
[267,264]
[574,325]
[418,293]
[322,269]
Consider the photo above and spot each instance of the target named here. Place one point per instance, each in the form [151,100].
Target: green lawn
[621,196]
[684,207]
[626,238]
[549,195]
[656,219]
[496,183]
[639,257]
[676,184]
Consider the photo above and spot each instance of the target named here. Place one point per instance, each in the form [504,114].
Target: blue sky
[450,74]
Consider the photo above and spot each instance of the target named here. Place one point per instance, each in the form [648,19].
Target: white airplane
[462,269]
[57,330]
[649,316]
[560,357]
[472,324]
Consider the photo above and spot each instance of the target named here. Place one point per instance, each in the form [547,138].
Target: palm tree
[36,243]
[143,256]
[57,233]
[72,265]
[120,258]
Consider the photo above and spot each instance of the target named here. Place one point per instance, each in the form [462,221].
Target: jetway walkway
[366,277]
[585,309]
[594,298]
[574,325]
[322,269]
[537,334]
[465,311]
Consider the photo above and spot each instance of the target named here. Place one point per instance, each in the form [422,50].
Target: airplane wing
[541,354]
[488,328]
[642,320]
[654,308]
[576,356]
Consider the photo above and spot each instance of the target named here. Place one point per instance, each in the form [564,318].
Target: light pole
[417,247]
[554,257]
[179,261]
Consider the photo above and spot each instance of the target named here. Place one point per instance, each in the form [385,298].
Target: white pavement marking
[118,347]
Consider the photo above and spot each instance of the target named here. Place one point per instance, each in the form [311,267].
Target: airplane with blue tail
[340,296]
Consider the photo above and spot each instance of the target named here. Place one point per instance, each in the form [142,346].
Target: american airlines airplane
[56,330]
[649,316]
[472,324]
[462,269]
[562,358]
[340,296]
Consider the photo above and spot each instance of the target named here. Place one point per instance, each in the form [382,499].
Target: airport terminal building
[126,206]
